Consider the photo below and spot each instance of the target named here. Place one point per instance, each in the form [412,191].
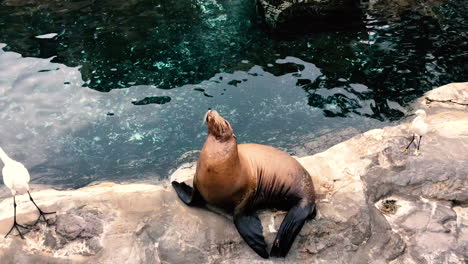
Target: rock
[375,203]
[70,226]
[325,141]
[397,7]
[184,172]
[93,226]
[454,95]
[50,240]
[79,225]
[297,16]
[307,15]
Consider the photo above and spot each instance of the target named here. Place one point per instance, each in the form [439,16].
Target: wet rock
[308,15]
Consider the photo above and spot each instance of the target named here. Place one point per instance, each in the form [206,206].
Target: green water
[119,90]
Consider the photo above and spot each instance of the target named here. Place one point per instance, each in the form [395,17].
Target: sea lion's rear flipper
[290,227]
[187,194]
[250,229]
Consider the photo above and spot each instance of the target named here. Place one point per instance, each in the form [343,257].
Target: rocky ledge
[376,204]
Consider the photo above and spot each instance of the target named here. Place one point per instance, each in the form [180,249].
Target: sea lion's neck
[220,152]
[218,177]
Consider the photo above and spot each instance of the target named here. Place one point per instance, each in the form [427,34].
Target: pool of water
[116,90]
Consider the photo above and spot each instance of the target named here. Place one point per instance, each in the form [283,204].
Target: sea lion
[246,177]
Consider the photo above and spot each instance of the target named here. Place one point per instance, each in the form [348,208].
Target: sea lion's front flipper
[187,194]
[290,227]
[250,229]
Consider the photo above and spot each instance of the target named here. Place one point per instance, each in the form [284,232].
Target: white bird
[418,127]
[16,178]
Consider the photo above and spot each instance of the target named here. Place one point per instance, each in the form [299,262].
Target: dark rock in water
[153,100]
[286,16]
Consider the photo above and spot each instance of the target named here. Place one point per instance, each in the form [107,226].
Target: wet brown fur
[247,176]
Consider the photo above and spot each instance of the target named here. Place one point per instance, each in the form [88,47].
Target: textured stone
[454,94]
[293,15]
[70,226]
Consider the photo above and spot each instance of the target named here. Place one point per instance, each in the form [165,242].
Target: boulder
[376,204]
[308,15]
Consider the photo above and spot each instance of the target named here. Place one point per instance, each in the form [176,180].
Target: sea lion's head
[218,126]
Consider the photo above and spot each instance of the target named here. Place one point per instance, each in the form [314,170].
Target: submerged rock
[376,204]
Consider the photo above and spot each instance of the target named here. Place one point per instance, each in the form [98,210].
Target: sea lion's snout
[210,115]
[218,126]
